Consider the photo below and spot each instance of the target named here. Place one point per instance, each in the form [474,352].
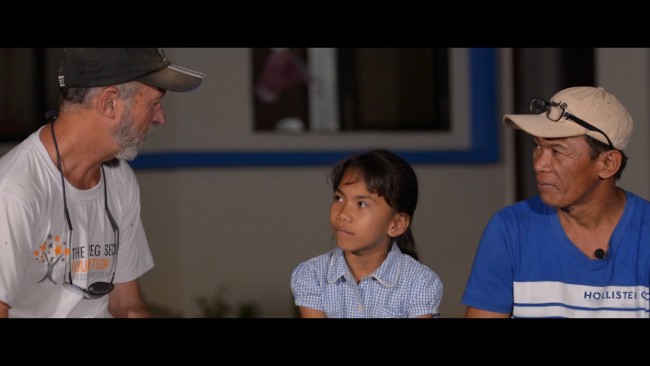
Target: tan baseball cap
[593,105]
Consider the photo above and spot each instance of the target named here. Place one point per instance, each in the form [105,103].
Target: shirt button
[360,307]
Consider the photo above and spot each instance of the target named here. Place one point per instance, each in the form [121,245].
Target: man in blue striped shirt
[581,247]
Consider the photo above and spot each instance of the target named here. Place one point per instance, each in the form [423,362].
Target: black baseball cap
[94,67]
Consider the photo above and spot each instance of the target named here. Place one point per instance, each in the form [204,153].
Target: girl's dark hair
[390,177]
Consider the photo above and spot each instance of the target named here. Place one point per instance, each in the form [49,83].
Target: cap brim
[540,125]
[174,78]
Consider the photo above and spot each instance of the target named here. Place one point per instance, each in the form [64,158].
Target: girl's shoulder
[320,262]
[416,269]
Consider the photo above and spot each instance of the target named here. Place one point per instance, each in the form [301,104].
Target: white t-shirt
[36,248]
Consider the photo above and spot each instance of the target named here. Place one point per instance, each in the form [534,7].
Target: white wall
[246,228]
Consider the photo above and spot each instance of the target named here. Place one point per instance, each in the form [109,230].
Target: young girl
[374,272]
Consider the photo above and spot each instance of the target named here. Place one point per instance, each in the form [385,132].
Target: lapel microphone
[600,254]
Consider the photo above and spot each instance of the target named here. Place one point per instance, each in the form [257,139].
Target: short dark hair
[599,147]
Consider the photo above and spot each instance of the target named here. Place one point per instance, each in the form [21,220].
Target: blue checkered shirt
[400,288]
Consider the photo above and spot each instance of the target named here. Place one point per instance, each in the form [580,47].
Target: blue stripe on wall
[484,147]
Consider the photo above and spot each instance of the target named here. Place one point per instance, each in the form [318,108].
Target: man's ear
[105,102]
[611,163]
[399,224]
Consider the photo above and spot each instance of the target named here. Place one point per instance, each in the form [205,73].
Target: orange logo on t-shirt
[50,252]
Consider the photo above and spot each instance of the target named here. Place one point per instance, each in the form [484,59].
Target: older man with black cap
[71,239]
[581,247]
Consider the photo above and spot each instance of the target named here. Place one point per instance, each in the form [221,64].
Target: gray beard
[127,137]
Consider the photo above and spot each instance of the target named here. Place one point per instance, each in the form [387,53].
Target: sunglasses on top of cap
[555,111]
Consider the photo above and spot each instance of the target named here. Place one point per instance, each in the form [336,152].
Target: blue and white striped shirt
[527,266]
[400,288]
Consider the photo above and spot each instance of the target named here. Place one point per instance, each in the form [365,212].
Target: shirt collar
[387,274]
[338,267]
